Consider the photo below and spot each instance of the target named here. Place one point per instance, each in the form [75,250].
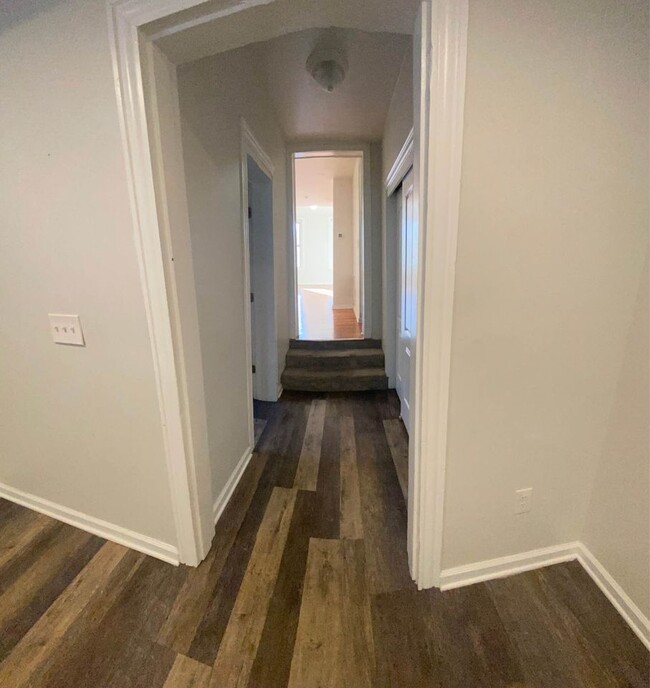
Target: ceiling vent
[327,63]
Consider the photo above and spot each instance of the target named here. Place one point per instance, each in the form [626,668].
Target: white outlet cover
[66,329]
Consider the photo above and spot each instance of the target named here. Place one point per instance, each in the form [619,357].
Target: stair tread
[334,353]
[348,372]
[333,344]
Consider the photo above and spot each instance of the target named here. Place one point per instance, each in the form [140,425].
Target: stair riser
[334,385]
[335,363]
[335,345]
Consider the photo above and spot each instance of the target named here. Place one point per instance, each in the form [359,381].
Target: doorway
[328,244]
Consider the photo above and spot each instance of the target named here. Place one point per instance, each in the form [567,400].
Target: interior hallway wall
[552,242]
[343,243]
[80,426]
[356,239]
[617,527]
[214,93]
[316,245]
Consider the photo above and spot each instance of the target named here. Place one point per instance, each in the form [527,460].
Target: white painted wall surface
[343,240]
[80,426]
[214,93]
[356,239]
[399,119]
[617,527]
[552,243]
[316,245]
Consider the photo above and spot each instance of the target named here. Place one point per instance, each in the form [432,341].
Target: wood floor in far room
[306,586]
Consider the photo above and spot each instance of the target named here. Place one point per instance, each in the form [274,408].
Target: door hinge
[253,369]
[252,297]
[250,212]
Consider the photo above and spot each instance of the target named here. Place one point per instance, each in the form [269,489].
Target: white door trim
[401,165]
[398,170]
[438,154]
[366,254]
[441,115]
[251,146]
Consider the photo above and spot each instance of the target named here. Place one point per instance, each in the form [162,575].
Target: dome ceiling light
[327,64]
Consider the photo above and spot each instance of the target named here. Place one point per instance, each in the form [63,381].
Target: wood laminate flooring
[306,586]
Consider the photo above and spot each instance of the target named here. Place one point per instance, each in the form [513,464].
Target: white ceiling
[203,37]
[356,110]
[314,178]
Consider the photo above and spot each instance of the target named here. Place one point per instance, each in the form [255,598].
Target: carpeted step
[335,359]
[351,380]
[334,344]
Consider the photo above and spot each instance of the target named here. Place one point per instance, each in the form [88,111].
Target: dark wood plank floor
[306,586]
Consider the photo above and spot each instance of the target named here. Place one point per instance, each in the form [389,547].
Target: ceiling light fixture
[327,63]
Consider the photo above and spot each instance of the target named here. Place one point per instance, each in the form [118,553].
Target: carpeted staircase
[343,365]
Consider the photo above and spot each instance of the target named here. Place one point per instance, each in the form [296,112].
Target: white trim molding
[124,19]
[491,569]
[224,497]
[460,576]
[634,617]
[91,524]
[441,49]
[401,165]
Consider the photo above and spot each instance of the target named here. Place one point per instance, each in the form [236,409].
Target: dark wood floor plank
[273,659]
[188,673]
[334,644]
[29,596]
[182,624]
[614,643]
[243,633]
[44,637]
[351,519]
[470,644]
[307,471]
[384,515]
[405,657]
[540,628]
[19,528]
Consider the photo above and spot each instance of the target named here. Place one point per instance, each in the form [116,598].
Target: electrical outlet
[522,500]
[66,329]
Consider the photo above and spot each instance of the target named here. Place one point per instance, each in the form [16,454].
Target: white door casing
[407,294]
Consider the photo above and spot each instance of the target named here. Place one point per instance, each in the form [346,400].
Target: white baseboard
[280,390]
[96,526]
[490,569]
[468,574]
[225,494]
[634,617]
[339,307]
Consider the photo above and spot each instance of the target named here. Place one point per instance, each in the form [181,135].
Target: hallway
[306,585]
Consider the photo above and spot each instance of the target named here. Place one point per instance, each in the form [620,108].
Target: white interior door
[406,303]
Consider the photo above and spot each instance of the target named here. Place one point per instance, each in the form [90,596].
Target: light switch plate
[66,329]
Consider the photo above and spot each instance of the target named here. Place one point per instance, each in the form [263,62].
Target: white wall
[343,243]
[214,93]
[356,239]
[316,240]
[617,528]
[399,118]
[80,426]
[552,242]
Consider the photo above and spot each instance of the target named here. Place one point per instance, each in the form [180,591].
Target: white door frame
[365,229]
[438,116]
[401,165]
[251,146]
